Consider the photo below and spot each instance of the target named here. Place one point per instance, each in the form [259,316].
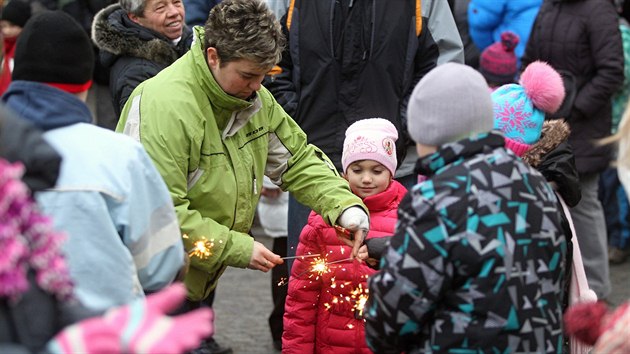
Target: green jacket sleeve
[303,169]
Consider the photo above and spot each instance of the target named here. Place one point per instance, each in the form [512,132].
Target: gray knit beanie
[450,103]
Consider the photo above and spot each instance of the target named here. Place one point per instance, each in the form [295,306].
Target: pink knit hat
[593,324]
[371,139]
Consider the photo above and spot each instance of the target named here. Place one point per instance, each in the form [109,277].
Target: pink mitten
[141,327]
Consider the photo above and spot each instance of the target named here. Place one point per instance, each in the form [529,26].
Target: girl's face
[367,177]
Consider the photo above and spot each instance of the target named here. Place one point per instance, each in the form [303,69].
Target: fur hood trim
[553,133]
[111,35]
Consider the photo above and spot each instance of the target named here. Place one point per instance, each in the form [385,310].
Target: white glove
[354,218]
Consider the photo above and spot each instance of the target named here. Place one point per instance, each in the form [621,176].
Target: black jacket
[335,72]
[30,322]
[21,141]
[133,53]
[582,37]
[553,157]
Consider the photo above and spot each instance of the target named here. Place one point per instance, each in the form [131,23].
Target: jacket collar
[116,35]
[241,109]
[378,202]
[45,106]
[553,133]
[457,152]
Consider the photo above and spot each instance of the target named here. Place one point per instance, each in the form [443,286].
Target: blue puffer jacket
[487,19]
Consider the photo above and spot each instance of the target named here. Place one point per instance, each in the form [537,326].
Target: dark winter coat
[553,157]
[133,53]
[333,75]
[22,141]
[477,260]
[30,322]
[582,38]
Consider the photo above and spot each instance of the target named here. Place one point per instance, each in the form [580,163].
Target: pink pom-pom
[584,321]
[509,41]
[544,86]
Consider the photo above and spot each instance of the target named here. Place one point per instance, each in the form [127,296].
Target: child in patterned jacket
[328,288]
[477,261]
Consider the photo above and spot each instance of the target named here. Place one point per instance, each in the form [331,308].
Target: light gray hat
[450,103]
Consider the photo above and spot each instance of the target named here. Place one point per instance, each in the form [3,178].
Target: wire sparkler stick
[340,260]
[303,256]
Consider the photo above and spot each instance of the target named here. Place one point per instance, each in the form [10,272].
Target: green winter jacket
[213,149]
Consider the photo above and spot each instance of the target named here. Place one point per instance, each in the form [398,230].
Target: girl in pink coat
[327,288]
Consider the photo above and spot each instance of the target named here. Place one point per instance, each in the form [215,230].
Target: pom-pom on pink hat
[519,109]
[594,324]
[371,139]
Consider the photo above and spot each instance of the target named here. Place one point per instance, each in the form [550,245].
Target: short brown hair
[244,29]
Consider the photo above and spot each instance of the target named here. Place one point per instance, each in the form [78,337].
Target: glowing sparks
[319,267]
[360,297]
[201,248]
[283,281]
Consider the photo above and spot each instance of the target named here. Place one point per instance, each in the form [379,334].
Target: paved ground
[243,303]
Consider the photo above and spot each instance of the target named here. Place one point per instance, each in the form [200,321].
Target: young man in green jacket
[213,132]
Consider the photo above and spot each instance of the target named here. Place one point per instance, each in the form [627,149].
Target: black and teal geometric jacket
[477,261]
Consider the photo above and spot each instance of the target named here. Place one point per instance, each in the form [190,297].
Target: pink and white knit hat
[371,139]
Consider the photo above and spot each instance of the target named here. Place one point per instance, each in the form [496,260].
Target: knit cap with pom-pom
[498,63]
[592,324]
[519,109]
[584,321]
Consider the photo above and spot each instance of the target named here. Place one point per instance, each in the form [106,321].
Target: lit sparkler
[319,266]
[201,248]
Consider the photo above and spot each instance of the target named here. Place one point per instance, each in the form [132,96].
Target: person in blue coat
[487,19]
[123,236]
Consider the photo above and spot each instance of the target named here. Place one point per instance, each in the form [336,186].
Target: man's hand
[263,259]
[356,221]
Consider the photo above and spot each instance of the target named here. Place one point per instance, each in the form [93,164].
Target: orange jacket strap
[418,16]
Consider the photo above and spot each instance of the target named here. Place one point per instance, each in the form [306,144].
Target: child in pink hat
[323,311]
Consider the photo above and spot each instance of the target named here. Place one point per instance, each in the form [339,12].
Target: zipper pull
[255,187]
[351,3]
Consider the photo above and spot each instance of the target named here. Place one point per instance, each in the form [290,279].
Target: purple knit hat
[498,61]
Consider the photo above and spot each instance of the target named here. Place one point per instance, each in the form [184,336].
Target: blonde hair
[244,29]
[622,139]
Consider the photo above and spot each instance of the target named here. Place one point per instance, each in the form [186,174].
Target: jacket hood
[45,106]
[116,35]
[553,133]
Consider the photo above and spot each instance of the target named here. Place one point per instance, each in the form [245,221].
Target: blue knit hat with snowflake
[519,109]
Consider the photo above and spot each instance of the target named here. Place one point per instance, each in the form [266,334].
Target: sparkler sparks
[319,267]
[201,248]
[360,295]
